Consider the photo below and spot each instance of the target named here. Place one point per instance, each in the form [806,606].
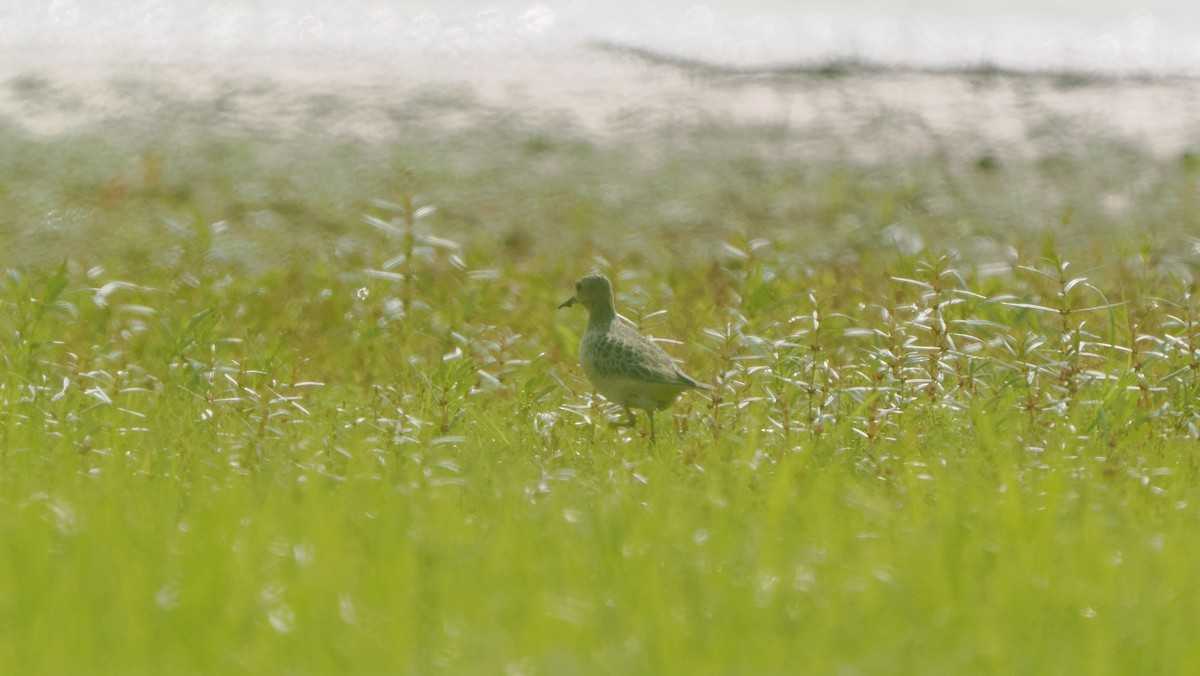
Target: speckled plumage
[626,367]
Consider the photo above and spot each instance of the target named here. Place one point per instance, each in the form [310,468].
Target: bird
[626,367]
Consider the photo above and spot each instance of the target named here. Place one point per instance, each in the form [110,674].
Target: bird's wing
[647,361]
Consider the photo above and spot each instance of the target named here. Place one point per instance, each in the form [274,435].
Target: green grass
[278,405]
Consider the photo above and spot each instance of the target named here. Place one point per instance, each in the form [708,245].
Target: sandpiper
[626,367]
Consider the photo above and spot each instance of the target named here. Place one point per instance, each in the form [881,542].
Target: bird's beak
[567,303]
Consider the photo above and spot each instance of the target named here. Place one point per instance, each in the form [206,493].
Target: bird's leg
[650,414]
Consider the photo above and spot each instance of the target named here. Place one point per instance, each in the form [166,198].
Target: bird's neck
[602,316]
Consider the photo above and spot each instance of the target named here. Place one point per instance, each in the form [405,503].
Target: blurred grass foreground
[284,388]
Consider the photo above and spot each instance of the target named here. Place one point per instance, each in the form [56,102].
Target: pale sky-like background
[1110,36]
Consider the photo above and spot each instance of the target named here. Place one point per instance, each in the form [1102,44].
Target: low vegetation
[279,404]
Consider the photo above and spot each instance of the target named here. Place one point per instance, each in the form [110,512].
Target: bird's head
[594,292]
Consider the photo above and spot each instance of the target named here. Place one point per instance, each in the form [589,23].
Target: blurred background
[646,119]
[1160,37]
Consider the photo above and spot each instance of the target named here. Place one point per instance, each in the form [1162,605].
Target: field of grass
[274,401]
